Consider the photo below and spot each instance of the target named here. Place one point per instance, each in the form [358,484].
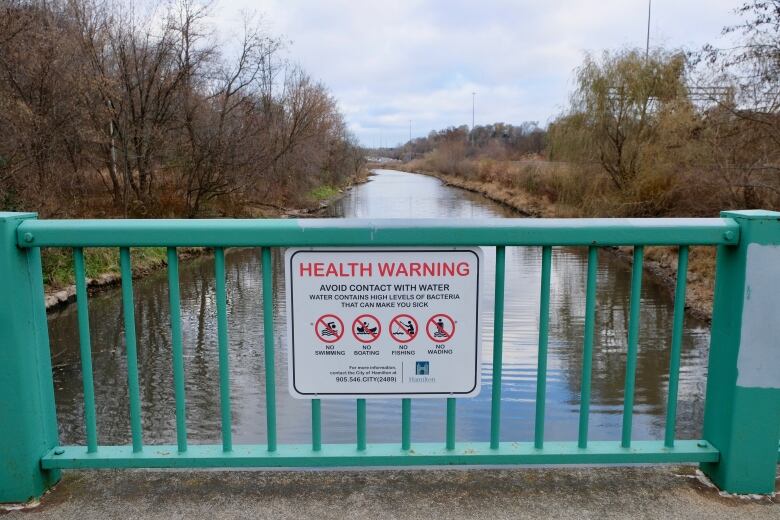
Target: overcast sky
[389,62]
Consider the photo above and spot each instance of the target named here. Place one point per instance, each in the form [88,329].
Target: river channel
[389,194]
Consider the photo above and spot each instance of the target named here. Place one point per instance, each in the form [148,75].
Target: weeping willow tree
[617,109]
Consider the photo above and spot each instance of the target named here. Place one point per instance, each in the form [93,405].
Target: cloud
[391,62]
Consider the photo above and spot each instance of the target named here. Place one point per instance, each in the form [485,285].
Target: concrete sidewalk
[666,492]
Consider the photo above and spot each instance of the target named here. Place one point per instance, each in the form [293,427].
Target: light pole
[647,44]
[410,139]
[473,103]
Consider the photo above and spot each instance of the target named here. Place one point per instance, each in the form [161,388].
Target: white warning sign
[389,322]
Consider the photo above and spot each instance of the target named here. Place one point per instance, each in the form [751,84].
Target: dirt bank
[59,297]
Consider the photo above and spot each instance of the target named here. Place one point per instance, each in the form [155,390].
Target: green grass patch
[323,192]
[58,262]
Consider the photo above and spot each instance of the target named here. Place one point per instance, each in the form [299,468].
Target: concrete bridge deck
[667,492]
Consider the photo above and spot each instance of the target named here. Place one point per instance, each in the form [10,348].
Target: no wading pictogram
[366,328]
[404,328]
[329,328]
[440,328]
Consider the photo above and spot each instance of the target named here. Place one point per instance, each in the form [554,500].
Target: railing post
[742,411]
[28,422]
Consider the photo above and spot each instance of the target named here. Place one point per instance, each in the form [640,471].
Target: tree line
[497,140]
[139,110]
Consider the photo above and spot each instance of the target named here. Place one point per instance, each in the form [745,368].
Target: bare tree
[744,127]
[142,111]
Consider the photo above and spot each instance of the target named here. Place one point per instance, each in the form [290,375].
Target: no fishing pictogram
[366,328]
[404,328]
[329,328]
[440,328]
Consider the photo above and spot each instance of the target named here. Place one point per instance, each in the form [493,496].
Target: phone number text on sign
[389,322]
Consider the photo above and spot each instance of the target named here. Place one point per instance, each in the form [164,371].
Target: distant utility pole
[647,45]
[410,139]
[473,102]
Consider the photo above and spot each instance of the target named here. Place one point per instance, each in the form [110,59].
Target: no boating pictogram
[329,328]
[440,328]
[404,328]
[366,328]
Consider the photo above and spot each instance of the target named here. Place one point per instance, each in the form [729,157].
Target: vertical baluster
[541,368]
[633,340]
[587,351]
[361,424]
[128,312]
[268,343]
[451,423]
[316,425]
[177,352]
[677,331]
[222,337]
[406,424]
[85,347]
[498,345]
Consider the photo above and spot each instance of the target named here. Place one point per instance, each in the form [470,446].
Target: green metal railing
[739,446]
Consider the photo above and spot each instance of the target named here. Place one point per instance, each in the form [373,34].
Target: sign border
[295,393]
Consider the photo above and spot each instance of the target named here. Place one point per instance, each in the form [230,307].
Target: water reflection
[389,194]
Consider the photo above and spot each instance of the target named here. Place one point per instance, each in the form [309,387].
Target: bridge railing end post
[742,410]
[28,422]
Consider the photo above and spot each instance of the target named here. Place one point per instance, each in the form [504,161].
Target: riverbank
[102,264]
[661,262]
[102,269]
[670,492]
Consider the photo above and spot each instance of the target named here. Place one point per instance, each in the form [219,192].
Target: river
[388,194]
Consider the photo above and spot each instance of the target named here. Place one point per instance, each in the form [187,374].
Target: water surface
[389,194]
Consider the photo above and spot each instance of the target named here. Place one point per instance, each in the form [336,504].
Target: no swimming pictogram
[440,328]
[366,328]
[404,328]
[329,328]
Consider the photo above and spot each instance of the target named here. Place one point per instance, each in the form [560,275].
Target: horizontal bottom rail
[332,455]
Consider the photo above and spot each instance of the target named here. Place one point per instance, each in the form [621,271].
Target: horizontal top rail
[377,232]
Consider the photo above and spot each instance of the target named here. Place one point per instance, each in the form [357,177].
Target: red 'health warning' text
[383,269]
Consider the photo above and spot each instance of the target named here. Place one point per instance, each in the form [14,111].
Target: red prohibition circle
[405,333]
[440,329]
[325,330]
[366,336]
